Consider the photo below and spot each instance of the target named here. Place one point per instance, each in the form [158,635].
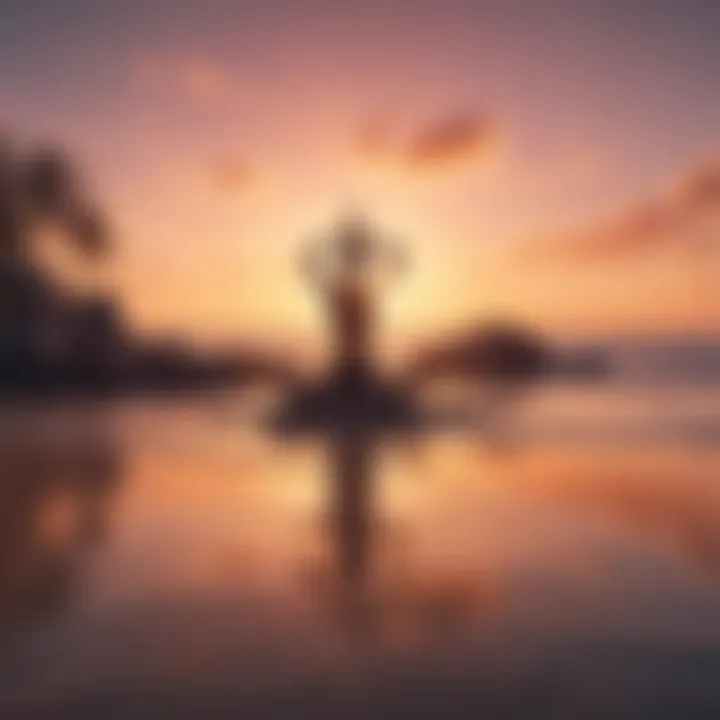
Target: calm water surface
[174,561]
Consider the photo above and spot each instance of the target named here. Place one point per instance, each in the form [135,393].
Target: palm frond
[49,182]
[88,228]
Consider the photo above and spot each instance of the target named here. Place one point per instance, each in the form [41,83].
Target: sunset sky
[558,162]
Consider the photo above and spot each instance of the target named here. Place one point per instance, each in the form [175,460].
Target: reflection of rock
[55,500]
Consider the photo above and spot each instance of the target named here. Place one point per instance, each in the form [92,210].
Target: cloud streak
[448,142]
[685,219]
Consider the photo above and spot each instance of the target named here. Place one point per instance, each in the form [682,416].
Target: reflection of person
[352,460]
[347,271]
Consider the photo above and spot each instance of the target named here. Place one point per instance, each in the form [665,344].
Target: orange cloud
[449,141]
[701,188]
[687,219]
[195,78]
[233,176]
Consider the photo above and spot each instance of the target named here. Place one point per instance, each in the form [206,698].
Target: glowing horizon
[219,137]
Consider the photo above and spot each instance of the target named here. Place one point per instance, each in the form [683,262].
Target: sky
[557,162]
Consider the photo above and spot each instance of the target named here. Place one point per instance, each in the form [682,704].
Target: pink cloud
[195,78]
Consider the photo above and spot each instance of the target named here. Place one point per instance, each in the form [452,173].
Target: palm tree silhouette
[42,189]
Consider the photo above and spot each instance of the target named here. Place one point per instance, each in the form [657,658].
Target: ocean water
[559,560]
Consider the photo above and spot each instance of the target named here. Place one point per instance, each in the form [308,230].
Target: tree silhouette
[42,189]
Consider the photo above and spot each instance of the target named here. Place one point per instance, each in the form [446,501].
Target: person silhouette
[347,270]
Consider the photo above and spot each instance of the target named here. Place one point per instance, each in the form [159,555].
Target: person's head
[354,240]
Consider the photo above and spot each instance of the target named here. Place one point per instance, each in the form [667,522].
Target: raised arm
[314,263]
[395,259]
